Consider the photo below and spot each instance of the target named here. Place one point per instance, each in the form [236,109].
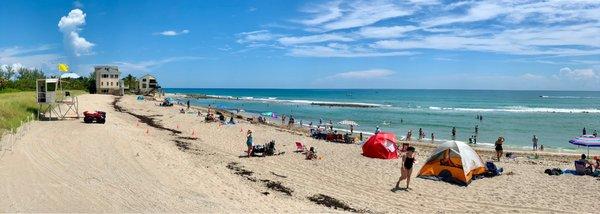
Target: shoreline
[486,142]
[549,154]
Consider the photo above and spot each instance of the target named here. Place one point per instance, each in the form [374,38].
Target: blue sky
[432,44]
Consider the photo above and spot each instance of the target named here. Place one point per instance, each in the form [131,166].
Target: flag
[63,67]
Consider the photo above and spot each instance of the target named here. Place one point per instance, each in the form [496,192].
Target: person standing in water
[432,138]
[376,129]
[476,129]
[534,140]
[409,135]
[188,105]
[584,132]
[453,133]
[420,134]
[408,160]
[351,129]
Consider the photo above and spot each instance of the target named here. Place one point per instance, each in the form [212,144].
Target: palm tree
[131,82]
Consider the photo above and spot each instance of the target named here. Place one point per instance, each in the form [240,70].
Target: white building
[147,84]
[108,80]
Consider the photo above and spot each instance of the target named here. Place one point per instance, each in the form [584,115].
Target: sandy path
[118,167]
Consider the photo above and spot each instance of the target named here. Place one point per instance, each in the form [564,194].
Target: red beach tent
[381,145]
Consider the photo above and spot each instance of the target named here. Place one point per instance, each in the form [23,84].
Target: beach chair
[581,169]
[300,147]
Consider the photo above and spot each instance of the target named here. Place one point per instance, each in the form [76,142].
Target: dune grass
[17,106]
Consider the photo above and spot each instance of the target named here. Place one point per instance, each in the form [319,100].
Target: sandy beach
[173,162]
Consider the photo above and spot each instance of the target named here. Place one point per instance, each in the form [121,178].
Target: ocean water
[554,116]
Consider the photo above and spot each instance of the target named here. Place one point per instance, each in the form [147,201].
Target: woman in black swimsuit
[498,148]
[408,160]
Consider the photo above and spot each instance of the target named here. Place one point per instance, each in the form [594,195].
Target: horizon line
[432,89]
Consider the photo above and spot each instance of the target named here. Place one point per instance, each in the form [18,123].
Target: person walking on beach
[188,105]
[249,142]
[282,119]
[499,149]
[409,135]
[584,132]
[534,140]
[432,138]
[420,134]
[351,129]
[361,137]
[453,133]
[408,160]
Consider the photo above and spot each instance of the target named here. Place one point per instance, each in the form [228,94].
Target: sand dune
[127,166]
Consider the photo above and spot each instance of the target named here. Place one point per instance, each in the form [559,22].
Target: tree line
[24,79]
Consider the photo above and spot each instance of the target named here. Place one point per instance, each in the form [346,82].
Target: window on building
[111,83]
[117,83]
[101,83]
[104,75]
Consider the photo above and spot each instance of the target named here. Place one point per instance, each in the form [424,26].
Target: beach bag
[555,171]
[270,148]
[493,170]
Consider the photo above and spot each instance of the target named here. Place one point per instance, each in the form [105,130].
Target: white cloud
[365,74]
[322,13]
[338,15]
[525,28]
[314,39]
[173,33]
[256,36]
[341,50]
[385,32]
[37,57]
[70,26]
[579,74]
[478,12]
[148,65]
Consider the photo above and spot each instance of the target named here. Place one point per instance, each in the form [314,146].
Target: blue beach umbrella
[587,141]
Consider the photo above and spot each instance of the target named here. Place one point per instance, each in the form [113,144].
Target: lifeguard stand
[51,98]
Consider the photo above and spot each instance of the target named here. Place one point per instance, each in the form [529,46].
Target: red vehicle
[90,117]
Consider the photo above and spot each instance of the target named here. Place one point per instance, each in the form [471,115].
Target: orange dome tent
[454,162]
[381,145]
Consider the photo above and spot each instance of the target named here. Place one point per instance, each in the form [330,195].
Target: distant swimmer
[453,133]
